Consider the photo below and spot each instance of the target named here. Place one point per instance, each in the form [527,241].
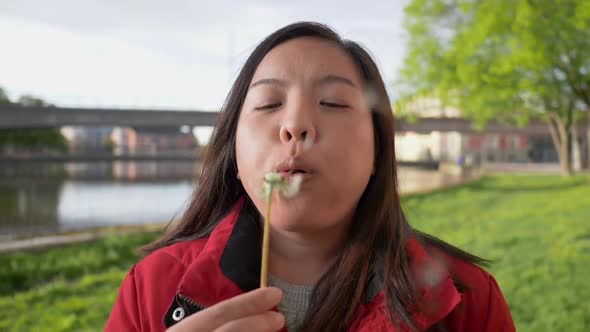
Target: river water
[46,198]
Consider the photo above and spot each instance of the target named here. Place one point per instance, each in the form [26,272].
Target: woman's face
[305,112]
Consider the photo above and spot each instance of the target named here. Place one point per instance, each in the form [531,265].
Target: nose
[290,133]
[298,125]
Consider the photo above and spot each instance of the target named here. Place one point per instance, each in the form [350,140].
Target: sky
[171,54]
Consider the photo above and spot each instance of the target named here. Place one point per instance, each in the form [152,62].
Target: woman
[342,255]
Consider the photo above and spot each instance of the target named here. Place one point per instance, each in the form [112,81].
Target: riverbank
[535,228]
[108,195]
[67,238]
[412,182]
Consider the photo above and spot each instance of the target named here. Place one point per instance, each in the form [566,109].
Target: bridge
[46,117]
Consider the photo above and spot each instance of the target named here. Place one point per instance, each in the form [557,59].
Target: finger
[252,303]
[269,321]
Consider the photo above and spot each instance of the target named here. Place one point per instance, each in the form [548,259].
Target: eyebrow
[322,81]
[271,81]
[335,79]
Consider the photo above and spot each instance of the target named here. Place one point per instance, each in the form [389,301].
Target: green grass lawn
[536,228]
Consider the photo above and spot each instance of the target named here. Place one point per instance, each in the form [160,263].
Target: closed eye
[333,105]
[268,107]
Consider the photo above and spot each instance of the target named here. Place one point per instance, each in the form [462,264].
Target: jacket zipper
[190,301]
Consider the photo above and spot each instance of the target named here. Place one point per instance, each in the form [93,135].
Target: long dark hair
[378,217]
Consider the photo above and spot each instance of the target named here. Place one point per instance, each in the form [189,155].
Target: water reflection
[28,205]
[108,170]
[39,198]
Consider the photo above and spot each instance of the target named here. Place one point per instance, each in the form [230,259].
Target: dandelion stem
[265,240]
[288,189]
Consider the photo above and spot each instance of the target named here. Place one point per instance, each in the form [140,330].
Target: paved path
[47,241]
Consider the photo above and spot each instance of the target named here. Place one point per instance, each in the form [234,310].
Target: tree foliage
[30,139]
[505,60]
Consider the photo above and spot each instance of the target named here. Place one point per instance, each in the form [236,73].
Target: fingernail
[278,319]
[274,294]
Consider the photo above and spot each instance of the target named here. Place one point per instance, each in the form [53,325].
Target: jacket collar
[229,265]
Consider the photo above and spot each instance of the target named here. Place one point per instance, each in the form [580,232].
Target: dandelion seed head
[371,97]
[273,178]
[288,187]
[291,187]
[265,192]
[431,274]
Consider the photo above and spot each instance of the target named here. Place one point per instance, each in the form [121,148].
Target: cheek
[355,147]
[251,138]
[251,151]
[351,157]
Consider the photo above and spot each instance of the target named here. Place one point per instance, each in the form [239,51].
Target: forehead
[306,59]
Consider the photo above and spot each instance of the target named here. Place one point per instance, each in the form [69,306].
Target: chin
[294,225]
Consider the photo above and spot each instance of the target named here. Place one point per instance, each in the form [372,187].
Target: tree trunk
[561,137]
[566,159]
[586,138]
[581,148]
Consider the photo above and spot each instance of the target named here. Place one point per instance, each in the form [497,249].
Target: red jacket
[183,278]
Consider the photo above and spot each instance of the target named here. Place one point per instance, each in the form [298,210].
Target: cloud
[164,53]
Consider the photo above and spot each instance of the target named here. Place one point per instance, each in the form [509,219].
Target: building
[469,148]
[88,139]
[153,141]
[124,140]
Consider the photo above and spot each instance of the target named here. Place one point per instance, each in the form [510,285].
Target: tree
[42,138]
[32,101]
[505,60]
[4,100]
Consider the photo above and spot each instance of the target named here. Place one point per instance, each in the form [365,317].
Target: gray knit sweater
[294,303]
